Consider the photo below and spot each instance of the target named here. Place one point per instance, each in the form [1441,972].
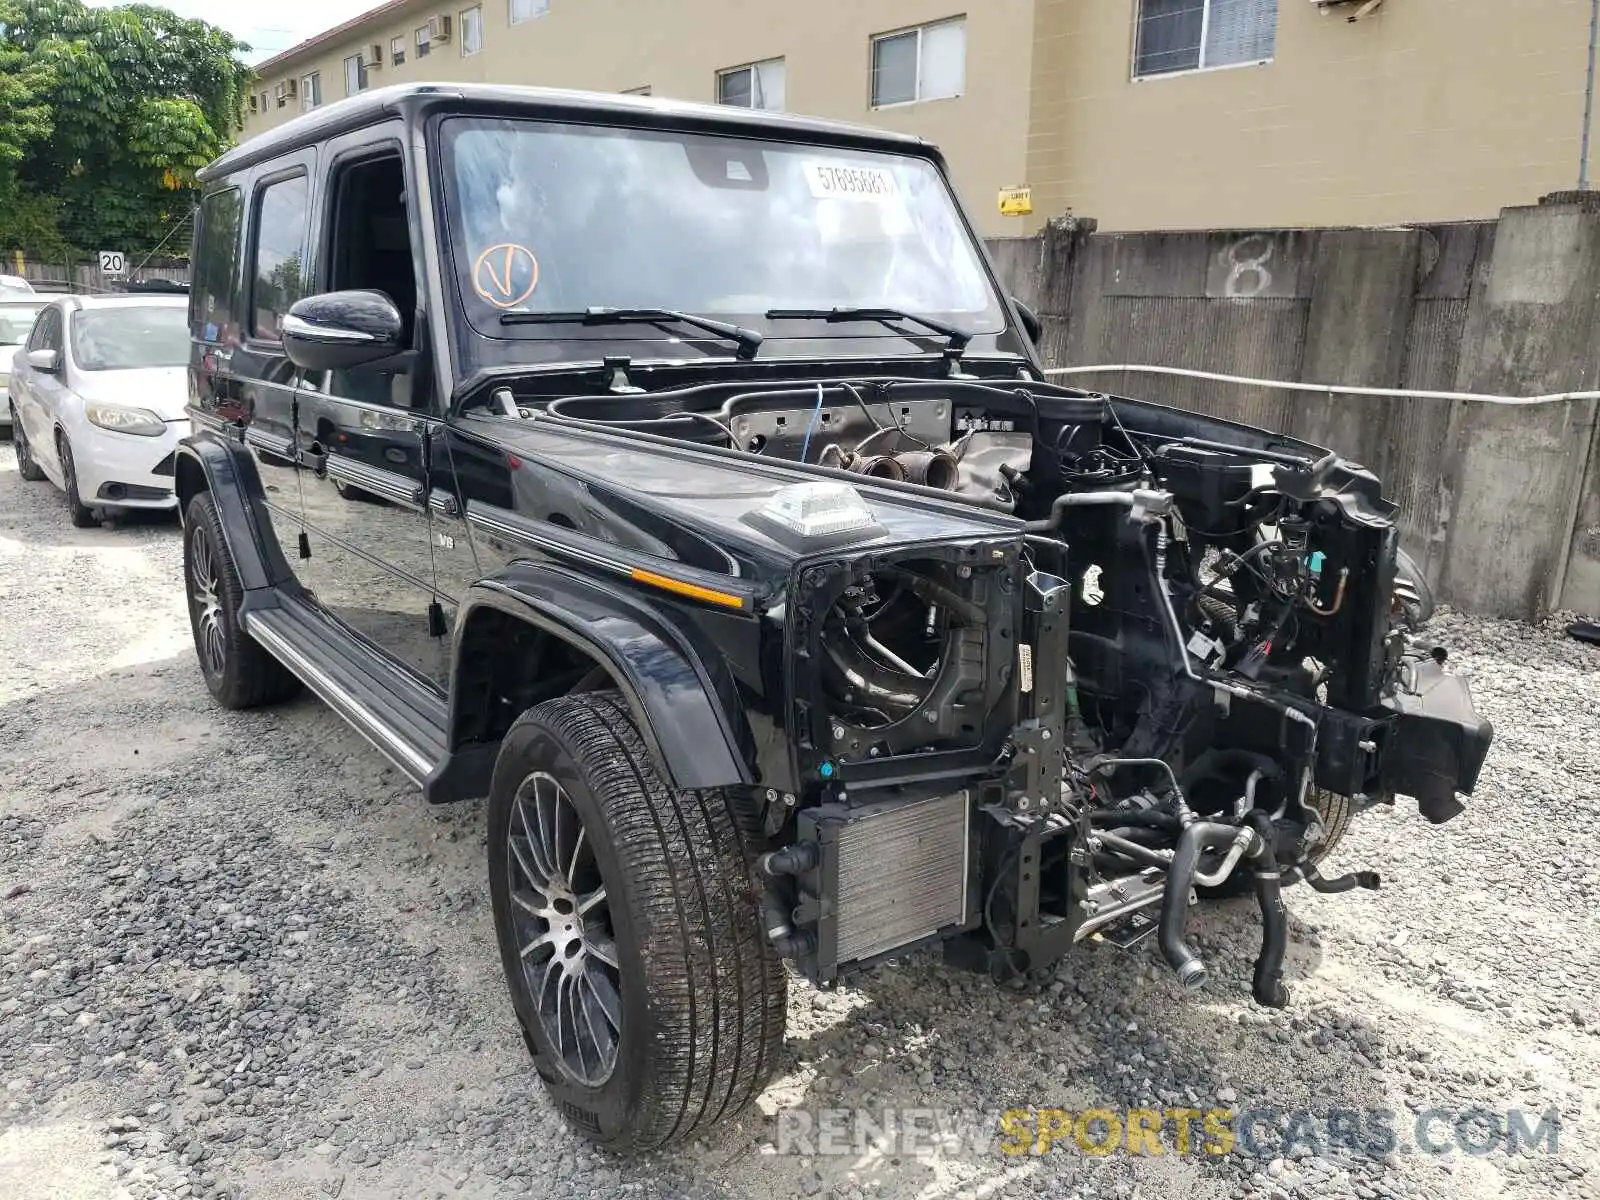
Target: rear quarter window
[218,240]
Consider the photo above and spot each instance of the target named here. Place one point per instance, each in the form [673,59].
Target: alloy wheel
[203,598]
[563,929]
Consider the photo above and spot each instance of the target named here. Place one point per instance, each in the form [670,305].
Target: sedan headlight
[125,420]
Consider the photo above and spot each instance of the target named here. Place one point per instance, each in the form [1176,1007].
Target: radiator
[890,873]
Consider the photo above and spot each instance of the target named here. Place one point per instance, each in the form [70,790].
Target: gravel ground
[239,956]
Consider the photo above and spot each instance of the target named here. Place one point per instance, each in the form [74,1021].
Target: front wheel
[628,920]
[79,513]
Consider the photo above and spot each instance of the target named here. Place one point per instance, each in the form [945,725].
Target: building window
[527,10]
[927,63]
[471,30]
[424,43]
[1192,35]
[255,104]
[397,51]
[266,101]
[759,85]
[355,75]
[311,91]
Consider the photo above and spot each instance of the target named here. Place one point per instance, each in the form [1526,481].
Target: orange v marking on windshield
[498,278]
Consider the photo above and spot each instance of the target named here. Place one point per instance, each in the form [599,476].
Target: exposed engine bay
[1197,660]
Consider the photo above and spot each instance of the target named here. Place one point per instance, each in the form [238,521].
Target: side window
[278,266]
[216,265]
[47,331]
[369,248]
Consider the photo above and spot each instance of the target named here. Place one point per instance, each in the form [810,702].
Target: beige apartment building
[957,77]
[1145,114]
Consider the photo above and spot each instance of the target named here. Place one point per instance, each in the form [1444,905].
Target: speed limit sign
[112,262]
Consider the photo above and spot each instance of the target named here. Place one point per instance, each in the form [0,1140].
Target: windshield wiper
[957,337]
[749,341]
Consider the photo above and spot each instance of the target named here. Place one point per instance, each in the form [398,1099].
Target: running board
[401,716]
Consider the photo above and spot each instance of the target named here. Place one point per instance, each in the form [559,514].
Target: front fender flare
[679,689]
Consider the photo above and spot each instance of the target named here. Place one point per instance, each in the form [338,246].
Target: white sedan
[98,398]
[17,314]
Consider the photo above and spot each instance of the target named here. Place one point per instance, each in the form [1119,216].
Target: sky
[269,26]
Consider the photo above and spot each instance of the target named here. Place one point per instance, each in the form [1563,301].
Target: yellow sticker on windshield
[505,275]
[841,181]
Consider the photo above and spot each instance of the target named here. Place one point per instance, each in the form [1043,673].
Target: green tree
[105,115]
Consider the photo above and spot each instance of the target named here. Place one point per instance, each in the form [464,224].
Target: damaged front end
[1182,677]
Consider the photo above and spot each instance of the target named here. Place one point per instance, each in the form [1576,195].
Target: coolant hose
[787,942]
[1198,837]
[1268,985]
[1339,883]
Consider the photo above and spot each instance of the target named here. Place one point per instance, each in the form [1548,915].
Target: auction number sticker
[841,181]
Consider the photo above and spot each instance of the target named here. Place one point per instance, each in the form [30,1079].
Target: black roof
[555,104]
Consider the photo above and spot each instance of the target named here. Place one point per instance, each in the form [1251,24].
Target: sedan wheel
[28,469]
[81,514]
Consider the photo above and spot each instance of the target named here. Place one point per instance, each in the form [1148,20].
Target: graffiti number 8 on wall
[1246,260]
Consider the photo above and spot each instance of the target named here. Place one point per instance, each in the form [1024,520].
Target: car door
[247,383]
[363,432]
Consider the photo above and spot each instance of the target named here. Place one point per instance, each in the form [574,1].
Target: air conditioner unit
[439,28]
[374,55]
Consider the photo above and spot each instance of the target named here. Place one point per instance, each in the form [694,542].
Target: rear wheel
[628,921]
[81,515]
[238,672]
[26,467]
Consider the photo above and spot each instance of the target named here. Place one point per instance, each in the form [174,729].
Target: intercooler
[888,874]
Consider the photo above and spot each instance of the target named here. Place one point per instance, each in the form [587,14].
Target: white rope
[1327,389]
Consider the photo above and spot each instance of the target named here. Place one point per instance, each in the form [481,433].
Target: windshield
[558,218]
[16,322]
[132,336]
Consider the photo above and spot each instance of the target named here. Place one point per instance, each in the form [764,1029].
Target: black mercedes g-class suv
[680,479]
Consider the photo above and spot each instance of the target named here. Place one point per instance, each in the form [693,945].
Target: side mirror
[1030,320]
[339,330]
[47,361]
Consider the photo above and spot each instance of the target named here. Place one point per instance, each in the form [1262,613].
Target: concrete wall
[677,50]
[1500,503]
[1424,110]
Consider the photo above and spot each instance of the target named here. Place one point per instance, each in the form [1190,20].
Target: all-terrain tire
[26,467]
[238,672]
[702,994]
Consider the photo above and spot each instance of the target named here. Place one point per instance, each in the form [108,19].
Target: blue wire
[805,447]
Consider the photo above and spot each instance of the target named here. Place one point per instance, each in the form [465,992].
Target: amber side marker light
[692,590]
